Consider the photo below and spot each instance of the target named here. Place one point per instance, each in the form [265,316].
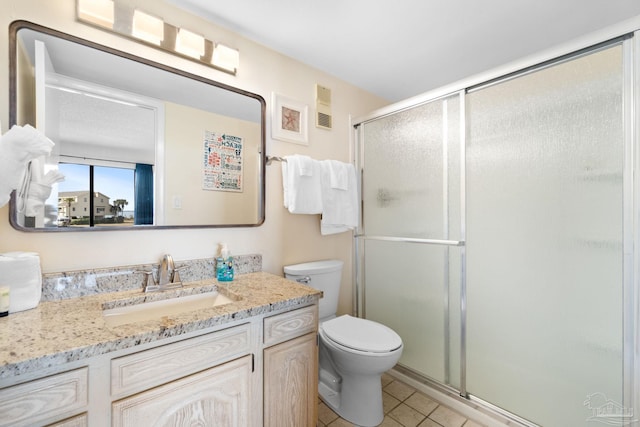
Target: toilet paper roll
[21,272]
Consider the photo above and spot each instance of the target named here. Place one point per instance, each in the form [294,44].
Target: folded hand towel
[302,185]
[339,175]
[340,206]
[306,165]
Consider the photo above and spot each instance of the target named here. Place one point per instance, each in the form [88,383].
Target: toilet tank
[322,275]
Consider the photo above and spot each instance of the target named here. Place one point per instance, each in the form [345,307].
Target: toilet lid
[361,334]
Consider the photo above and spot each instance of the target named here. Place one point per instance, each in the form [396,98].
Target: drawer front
[38,400]
[150,368]
[78,421]
[291,324]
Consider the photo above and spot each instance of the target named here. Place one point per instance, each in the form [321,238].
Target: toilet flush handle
[305,279]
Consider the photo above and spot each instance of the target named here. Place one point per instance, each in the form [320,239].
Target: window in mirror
[113,201]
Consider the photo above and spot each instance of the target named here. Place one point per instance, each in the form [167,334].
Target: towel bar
[275,158]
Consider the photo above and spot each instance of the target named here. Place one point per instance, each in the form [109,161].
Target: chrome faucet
[168,277]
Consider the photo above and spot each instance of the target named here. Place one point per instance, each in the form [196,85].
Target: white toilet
[354,352]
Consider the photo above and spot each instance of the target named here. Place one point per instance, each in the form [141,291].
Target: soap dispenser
[224,265]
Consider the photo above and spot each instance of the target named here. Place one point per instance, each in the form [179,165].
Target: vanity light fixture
[122,18]
[98,12]
[190,44]
[147,27]
[226,58]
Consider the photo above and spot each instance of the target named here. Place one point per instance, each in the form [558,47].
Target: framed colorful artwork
[289,120]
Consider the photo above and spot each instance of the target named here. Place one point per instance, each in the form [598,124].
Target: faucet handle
[176,273]
[149,283]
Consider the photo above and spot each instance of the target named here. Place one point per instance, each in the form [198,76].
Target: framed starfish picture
[289,120]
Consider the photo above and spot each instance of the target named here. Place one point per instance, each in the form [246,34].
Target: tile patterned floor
[403,407]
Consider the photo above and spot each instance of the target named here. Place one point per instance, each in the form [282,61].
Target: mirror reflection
[139,144]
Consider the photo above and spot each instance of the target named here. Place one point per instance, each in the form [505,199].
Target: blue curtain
[143,194]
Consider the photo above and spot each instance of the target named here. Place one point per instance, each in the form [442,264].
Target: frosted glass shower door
[411,190]
[545,156]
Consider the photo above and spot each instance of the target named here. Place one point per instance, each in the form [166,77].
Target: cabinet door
[219,396]
[291,383]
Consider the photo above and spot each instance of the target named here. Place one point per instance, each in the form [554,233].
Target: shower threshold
[472,407]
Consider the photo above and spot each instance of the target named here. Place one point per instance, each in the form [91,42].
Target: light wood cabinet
[146,369]
[291,369]
[260,371]
[218,396]
[33,402]
[289,325]
[291,383]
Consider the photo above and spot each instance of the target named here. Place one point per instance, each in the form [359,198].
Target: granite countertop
[58,332]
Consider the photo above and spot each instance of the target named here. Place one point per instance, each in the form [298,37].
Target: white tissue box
[21,272]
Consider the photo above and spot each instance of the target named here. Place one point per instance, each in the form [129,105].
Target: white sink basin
[158,309]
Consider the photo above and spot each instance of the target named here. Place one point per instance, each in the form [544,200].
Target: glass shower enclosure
[497,236]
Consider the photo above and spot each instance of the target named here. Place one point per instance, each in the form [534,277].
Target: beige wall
[283,238]
[184,132]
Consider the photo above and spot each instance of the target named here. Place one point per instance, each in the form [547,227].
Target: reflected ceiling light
[98,12]
[226,58]
[147,27]
[190,44]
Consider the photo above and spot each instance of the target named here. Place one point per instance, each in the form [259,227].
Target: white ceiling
[401,48]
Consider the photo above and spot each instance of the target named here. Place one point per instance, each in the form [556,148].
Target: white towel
[285,183]
[306,165]
[17,147]
[301,181]
[36,188]
[339,197]
[21,272]
[339,175]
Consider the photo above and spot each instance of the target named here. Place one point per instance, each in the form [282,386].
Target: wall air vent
[323,107]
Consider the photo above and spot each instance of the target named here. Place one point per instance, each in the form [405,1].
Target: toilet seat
[361,334]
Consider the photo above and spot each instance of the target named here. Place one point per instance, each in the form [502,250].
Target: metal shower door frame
[629,37]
